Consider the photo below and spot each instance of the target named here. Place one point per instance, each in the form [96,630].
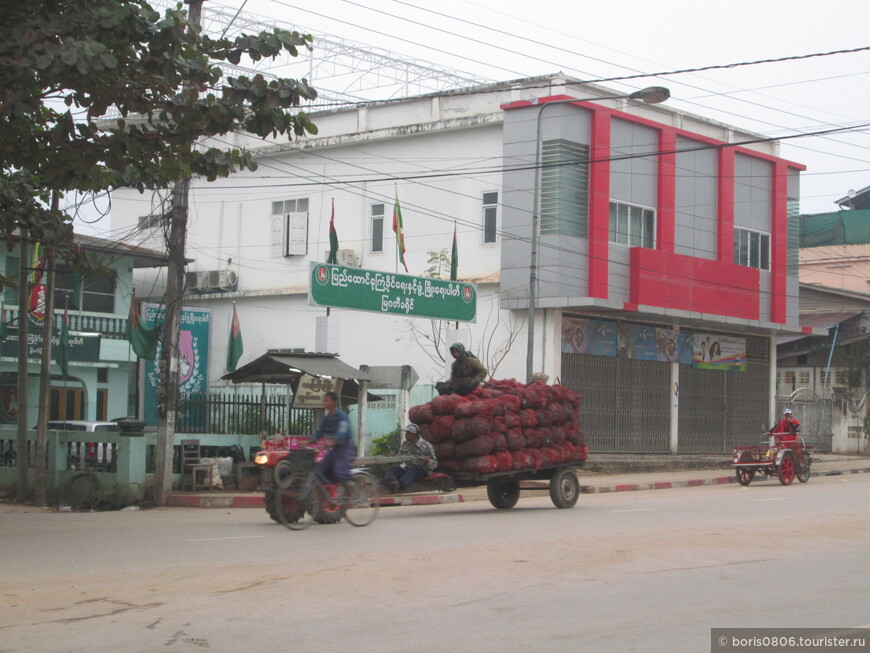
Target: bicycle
[302,496]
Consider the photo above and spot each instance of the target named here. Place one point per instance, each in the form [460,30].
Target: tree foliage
[98,94]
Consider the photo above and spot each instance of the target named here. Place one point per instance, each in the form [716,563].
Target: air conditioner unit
[196,281]
[349,258]
[213,280]
[228,280]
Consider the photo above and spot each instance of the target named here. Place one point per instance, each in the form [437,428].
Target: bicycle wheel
[364,500]
[292,505]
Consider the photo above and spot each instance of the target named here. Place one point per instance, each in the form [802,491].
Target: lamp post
[649,95]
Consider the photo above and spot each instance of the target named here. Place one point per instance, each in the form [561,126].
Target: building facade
[653,224]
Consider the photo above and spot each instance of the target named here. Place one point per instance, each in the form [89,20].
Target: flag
[37,288]
[144,341]
[235,348]
[61,354]
[398,230]
[333,240]
[454,257]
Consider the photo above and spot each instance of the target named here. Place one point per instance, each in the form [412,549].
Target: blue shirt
[336,425]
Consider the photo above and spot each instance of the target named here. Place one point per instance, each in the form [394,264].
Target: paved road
[638,571]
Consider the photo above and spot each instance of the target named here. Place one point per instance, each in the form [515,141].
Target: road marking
[776,499]
[214,539]
[633,510]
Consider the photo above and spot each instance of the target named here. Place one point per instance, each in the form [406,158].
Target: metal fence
[242,413]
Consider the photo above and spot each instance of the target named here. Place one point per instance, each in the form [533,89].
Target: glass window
[98,293]
[289,228]
[564,188]
[752,249]
[490,217]
[377,215]
[632,225]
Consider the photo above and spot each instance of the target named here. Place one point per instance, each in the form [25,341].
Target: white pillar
[674,443]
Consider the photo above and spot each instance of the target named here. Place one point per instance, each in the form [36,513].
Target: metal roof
[275,367]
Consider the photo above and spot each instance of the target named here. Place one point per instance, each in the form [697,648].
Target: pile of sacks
[503,426]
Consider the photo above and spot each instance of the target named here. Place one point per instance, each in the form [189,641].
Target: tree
[66,66]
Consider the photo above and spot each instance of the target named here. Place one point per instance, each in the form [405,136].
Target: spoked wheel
[564,488]
[803,474]
[745,475]
[786,468]
[364,501]
[325,509]
[503,494]
[289,509]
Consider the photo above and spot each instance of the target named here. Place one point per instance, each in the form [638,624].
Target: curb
[421,500]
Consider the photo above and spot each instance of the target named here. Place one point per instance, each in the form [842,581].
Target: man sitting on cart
[399,477]
[786,430]
[466,373]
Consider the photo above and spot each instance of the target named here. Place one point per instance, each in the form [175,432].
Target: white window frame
[377,217]
[489,209]
[754,254]
[289,227]
[635,226]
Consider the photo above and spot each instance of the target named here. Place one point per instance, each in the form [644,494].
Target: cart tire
[503,493]
[365,500]
[288,510]
[269,503]
[745,475]
[803,474]
[785,470]
[564,488]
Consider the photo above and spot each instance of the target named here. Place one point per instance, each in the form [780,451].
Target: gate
[814,414]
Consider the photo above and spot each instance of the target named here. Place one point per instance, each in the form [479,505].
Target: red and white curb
[659,485]
[421,499]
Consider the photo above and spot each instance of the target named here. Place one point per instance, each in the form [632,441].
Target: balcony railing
[108,326]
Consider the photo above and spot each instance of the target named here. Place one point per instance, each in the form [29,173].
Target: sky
[596,41]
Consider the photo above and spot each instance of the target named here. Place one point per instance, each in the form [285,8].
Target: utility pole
[168,363]
[39,473]
[21,445]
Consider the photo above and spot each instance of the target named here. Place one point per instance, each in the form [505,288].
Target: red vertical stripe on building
[725,239]
[779,243]
[667,190]
[599,203]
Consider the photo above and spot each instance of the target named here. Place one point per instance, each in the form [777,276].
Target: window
[805,378]
[564,188]
[377,214]
[632,225]
[94,292]
[490,217]
[752,249]
[790,380]
[153,221]
[290,227]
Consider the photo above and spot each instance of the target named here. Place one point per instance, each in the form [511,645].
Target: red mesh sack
[426,432]
[536,456]
[556,413]
[543,417]
[546,436]
[546,456]
[441,427]
[480,464]
[522,460]
[499,425]
[511,403]
[533,438]
[494,406]
[479,446]
[449,466]
[528,418]
[499,443]
[504,460]
[444,450]
[478,426]
[515,440]
[465,410]
[421,414]
[479,407]
[558,434]
[446,404]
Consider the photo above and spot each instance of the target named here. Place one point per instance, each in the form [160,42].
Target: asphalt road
[635,571]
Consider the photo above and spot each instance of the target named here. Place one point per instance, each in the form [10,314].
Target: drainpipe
[831,355]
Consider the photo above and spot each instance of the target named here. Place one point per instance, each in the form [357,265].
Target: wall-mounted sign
[311,390]
[398,294]
[83,347]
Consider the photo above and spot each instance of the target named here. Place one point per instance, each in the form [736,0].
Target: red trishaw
[776,456]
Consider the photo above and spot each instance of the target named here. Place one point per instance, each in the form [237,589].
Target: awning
[816,321]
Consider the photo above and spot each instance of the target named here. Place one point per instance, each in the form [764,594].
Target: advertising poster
[588,337]
[192,358]
[712,352]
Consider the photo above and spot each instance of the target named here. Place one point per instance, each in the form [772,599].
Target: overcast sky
[506,39]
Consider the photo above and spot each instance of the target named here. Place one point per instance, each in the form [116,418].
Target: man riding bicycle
[335,429]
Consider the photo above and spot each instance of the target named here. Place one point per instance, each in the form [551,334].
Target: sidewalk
[591,482]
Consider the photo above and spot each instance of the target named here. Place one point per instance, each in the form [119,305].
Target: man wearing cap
[400,477]
[787,429]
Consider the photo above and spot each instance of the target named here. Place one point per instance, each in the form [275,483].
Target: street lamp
[649,95]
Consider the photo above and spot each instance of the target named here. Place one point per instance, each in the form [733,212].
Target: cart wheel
[269,502]
[786,468]
[564,488]
[803,474]
[364,502]
[745,475]
[503,494]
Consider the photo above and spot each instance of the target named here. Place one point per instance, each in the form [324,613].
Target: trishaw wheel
[364,500]
[503,494]
[564,488]
[786,468]
[745,475]
[803,474]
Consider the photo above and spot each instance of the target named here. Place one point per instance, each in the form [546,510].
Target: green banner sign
[399,294]
[83,347]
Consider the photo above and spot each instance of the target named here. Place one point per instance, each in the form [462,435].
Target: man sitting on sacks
[400,477]
[466,373]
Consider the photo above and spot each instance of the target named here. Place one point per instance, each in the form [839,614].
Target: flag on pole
[398,229]
[454,257]
[37,288]
[3,327]
[144,341]
[333,239]
[235,348]
[61,355]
